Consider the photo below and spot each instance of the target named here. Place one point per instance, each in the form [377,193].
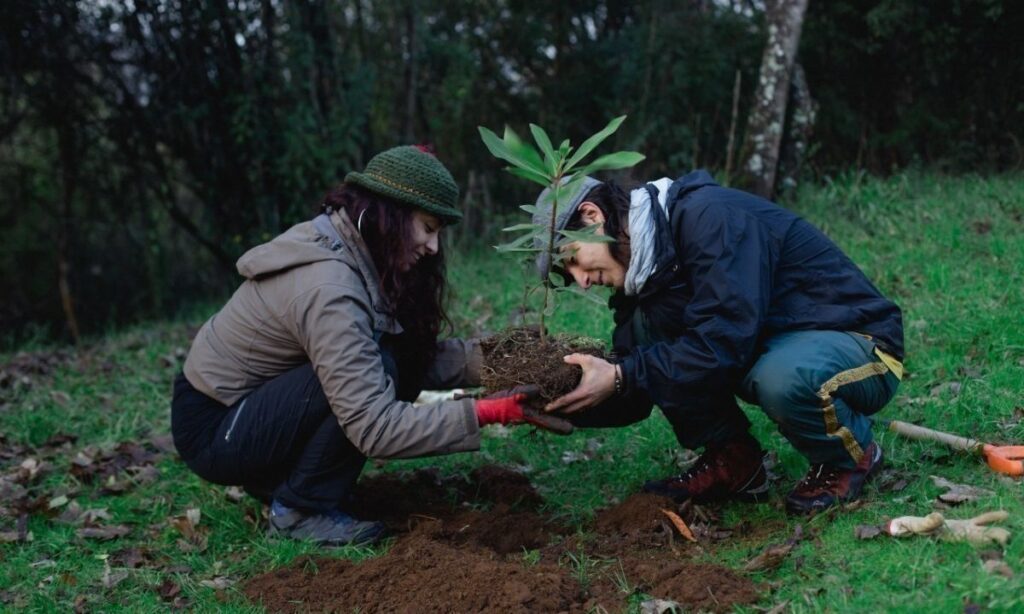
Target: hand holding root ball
[596,384]
[518,406]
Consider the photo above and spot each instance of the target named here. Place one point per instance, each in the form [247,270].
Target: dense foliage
[144,145]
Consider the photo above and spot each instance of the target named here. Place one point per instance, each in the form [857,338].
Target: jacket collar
[353,242]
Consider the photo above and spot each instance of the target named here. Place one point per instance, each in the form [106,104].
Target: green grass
[950,251]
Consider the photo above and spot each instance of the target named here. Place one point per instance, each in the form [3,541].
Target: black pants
[280,441]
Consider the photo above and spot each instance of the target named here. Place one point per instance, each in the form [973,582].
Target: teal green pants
[819,387]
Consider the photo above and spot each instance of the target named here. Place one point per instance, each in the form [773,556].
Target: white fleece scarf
[641,234]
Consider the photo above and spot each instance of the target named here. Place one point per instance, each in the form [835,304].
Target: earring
[359,222]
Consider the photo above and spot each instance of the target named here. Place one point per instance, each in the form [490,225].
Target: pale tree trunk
[764,128]
[799,129]
[730,148]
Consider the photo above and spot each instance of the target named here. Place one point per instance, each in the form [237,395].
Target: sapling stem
[551,254]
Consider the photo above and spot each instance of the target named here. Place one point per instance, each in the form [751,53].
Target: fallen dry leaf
[998,568]
[131,558]
[112,578]
[661,606]
[778,608]
[72,514]
[867,531]
[680,525]
[95,515]
[892,482]
[770,558]
[163,443]
[81,604]
[219,583]
[10,537]
[60,440]
[105,532]
[168,590]
[959,493]
[234,494]
[194,537]
[953,388]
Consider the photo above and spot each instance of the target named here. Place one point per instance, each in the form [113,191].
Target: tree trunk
[799,128]
[66,144]
[730,148]
[409,129]
[764,129]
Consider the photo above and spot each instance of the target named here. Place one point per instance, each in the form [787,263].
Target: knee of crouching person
[782,395]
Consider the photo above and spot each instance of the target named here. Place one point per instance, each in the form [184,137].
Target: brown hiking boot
[825,486]
[733,470]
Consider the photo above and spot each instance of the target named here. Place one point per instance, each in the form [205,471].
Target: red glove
[505,406]
[512,407]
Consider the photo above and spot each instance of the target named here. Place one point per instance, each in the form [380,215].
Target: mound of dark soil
[499,530]
[456,559]
[402,500]
[419,574]
[638,521]
[700,587]
[517,356]
[500,485]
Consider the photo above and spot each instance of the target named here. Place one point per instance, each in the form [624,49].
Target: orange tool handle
[1004,459]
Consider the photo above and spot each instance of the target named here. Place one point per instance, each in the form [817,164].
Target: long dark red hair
[417,296]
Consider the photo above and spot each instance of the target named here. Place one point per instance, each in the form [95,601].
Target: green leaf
[545,146]
[530,175]
[591,143]
[531,209]
[619,159]
[516,244]
[593,297]
[564,148]
[557,281]
[513,150]
[524,152]
[506,249]
[586,237]
[519,227]
[496,146]
[563,191]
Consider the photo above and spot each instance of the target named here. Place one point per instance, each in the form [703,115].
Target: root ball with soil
[519,356]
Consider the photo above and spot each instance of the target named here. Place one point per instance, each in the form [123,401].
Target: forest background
[144,145]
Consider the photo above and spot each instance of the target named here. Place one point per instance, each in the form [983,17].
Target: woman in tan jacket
[312,364]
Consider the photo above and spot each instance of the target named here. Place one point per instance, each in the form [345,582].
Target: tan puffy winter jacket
[308,298]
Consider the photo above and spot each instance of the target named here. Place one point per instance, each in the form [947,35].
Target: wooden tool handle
[919,432]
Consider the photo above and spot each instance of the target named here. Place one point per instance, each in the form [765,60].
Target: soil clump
[451,553]
[637,521]
[517,356]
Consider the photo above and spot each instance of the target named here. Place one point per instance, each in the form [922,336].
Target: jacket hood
[297,246]
[695,179]
[688,183]
[332,237]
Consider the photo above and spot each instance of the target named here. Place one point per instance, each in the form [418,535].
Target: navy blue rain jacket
[732,270]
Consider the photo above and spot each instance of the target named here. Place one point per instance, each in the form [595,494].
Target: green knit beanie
[411,175]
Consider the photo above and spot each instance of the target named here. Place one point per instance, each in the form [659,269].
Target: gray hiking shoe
[328,529]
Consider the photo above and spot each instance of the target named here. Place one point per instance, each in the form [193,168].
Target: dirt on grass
[517,356]
[480,544]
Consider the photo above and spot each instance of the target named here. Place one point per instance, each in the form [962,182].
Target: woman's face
[426,230]
[592,264]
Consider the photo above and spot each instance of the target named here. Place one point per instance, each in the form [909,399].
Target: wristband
[618,379]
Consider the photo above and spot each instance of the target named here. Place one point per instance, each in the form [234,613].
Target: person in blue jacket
[720,294]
